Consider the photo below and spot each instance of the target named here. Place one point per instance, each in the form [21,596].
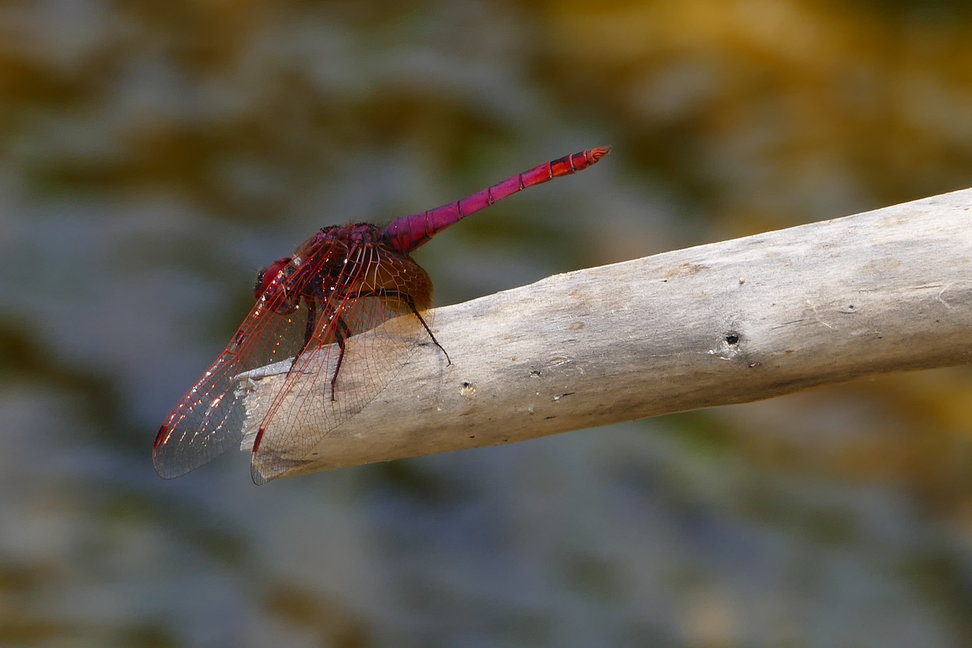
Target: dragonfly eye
[266,276]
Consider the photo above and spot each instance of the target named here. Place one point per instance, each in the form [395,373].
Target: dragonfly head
[266,276]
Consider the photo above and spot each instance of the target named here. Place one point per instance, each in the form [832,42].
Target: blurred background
[154,155]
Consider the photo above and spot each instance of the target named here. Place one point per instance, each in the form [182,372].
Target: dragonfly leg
[309,327]
[342,333]
[405,297]
[308,332]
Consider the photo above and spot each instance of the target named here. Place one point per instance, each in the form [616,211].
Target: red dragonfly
[342,281]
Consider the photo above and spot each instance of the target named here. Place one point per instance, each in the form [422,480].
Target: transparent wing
[208,420]
[326,388]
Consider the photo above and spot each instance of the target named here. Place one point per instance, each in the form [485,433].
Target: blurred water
[153,155]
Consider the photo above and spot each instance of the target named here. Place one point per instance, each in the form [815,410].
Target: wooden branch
[730,322]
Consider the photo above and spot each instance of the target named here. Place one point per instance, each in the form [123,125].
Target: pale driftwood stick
[730,322]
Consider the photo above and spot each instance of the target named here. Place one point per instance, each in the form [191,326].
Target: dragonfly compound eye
[266,276]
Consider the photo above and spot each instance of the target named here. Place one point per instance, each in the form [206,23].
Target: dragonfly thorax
[347,235]
[324,266]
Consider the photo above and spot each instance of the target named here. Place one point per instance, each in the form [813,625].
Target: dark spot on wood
[685,270]
[732,338]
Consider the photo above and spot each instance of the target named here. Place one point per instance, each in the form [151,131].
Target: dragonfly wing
[208,420]
[317,395]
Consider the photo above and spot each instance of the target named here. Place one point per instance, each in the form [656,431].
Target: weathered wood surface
[729,322]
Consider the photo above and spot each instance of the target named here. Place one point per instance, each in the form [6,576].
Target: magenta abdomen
[409,232]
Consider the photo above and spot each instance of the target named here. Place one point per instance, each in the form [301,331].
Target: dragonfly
[339,283]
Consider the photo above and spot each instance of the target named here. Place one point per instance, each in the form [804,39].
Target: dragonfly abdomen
[409,232]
